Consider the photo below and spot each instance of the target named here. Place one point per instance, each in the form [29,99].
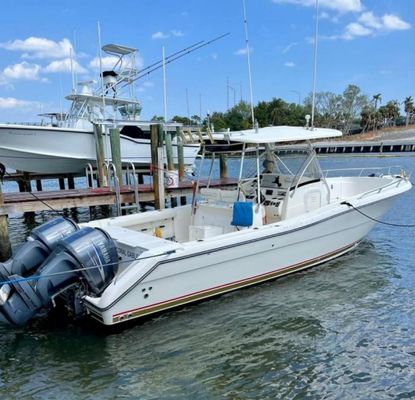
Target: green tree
[239,117]
[182,120]
[328,109]
[262,114]
[157,118]
[409,108]
[352,104]
[218,121]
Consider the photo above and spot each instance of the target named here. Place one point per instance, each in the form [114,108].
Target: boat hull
[229,263]
[58,150]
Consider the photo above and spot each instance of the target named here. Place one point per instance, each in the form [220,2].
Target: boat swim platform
[72,198]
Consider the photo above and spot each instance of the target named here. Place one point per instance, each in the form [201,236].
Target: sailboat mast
[313,103]
[248,51]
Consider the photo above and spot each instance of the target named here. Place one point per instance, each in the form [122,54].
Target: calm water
[344,330]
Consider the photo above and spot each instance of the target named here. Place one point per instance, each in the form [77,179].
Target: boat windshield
[293,167]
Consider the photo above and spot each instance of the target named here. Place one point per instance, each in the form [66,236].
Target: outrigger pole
[173,57]
[313,103]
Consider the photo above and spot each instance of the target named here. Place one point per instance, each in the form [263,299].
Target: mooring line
[377,220]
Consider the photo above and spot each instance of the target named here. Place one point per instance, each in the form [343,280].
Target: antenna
[313,103]
[75,45]
[248,51]
[200,107]
[187,105]
[72,72]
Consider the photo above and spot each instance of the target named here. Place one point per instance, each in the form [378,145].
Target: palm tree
[376,98]
[409,108]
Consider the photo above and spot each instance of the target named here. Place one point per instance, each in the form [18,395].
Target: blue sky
[369,43]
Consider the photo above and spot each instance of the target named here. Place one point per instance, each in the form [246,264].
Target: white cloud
[289,64]
[369,24]
[243,51]
[65,66]
[342,6]
[159,35]
[214,56]
[22,71]
[177,33]
[287,48]
[163,35]
[36,47]
[355,29]
[370,20]
[394,23]
[11,102]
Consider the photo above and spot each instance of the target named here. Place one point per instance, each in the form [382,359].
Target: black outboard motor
[39,244]
[86,259]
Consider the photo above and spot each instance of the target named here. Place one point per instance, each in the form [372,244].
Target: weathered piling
[62,183]
[157,168]
[5,247]
[116,152]
[71,182]
[24,182]
[39,185]
[99,148]
[180,160]
[170,162]
[223,165]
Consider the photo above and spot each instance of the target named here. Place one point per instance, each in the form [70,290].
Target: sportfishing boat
[67,143]
[284,215]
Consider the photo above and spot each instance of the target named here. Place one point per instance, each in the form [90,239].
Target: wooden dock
[70,198]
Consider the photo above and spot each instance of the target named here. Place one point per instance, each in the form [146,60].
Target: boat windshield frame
[271,150]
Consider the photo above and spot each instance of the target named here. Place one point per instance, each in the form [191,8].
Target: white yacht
[67,144]
[285,216]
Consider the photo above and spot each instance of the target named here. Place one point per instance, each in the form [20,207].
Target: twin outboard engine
[83,262]
[39,244]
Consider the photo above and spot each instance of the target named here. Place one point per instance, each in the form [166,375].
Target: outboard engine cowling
[86,260]
[39,244]
[89,253]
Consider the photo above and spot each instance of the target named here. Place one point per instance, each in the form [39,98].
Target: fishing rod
[173,57]
[168,57]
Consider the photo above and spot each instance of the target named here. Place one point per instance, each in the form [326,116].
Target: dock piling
[157,167]
[180,160]
[5,247]
[116,152]
[99,148]
[170,163]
